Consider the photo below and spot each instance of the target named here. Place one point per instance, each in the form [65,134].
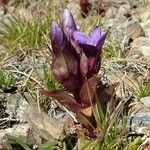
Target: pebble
[146,101]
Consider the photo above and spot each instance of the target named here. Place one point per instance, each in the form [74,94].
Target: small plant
[76,61]
[143,89]
[6,81]
[113,49]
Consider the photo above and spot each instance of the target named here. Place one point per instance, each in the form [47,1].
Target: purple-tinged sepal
[69,25]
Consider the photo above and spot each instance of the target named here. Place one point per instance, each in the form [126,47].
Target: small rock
[4,145]
[143,13]
[16,106]
[146,27]
[143,130]
[132,29]
[141,119]
[45,126]
[19,130]
[141,41]
[123,10]
[146,101]
[145,51]
[141,45]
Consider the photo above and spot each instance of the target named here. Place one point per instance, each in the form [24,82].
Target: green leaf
[18,141]
[48,146]
[135,144]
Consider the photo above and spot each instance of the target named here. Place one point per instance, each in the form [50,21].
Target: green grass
[23,34]
[49,80]
[113,49]
[143,89]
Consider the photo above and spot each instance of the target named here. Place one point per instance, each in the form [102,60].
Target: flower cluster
[75,63]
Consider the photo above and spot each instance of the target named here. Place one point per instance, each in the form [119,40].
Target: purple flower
[75,60]
[64,60]
[91,46]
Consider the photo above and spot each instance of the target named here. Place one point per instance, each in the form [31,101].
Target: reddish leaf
[63,98]
[83,65]
[87,111]
[88,90]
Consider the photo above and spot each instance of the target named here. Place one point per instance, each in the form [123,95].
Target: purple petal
[65,68]
[80,37]
[72,84]
[60,68]
[57,38]
[68,22]
[89,50]
[101,40]
[97,37]
[96,34]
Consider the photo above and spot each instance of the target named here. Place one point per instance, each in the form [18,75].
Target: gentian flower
[75,64]
[90,46]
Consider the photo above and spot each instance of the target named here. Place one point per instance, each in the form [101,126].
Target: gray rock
[123,10]
[140,123]
[19,130]
[4,144]
[141,45]
[143,13]
[132,29]
[46,126]
[146,27]
[16,106]
[146,101]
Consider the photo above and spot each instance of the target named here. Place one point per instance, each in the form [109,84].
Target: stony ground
[126,59]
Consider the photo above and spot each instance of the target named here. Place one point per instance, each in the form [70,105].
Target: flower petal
[68,22]
[65,69]
[97,37]
[101,40]
[93,66]
[89,50]
[57,38]
[96,34]
[80,37]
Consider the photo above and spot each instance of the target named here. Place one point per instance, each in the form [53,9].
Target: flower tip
[54,30]
[55,26]
[68,21]
[67,14]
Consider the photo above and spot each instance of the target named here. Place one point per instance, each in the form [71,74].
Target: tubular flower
[75,64]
